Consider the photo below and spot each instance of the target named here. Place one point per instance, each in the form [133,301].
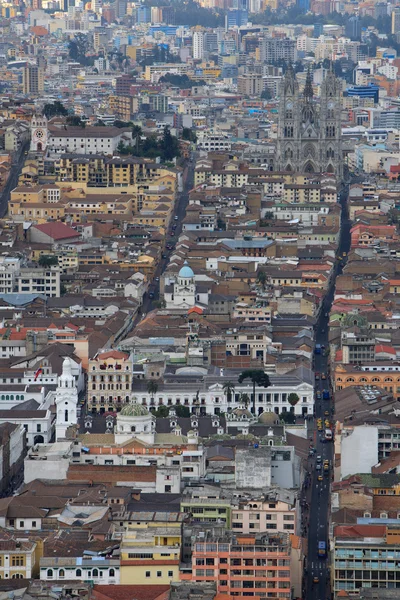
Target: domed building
[134,420]
[269,418]
[181,295]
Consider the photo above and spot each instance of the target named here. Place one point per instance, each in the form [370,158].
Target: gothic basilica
[310,134]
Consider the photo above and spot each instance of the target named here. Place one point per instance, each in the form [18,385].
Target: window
[159,573]
[22,523]
[61,574]
[17,561]
[111,572]
[33,523]
[78,573]
[147,574]
[49,573]
[170,573]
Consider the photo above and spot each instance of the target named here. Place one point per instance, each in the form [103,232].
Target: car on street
[315,579]
[323,376]
[320,478]
[318,467]
[319,458]
[176,217]
[326,413]
[316,376]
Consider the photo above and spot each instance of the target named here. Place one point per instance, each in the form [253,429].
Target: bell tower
[39,134]
[66,400]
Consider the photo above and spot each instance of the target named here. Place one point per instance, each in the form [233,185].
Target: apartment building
[19,559]
[31,280]
[365,556]
[32,79]
[109,381]
[150,556]
[271,514]
[208,510]
[243,565]
[9,269]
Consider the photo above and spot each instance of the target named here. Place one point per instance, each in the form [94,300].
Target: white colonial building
[201,389]
[66,400]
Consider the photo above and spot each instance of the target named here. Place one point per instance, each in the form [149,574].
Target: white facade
[39,281]
[66,401]
[100,571]
[38,424]
[357,456]
[212,399]
[87,144]
[39,133]
[198,45]
[183,295]
[9,269]
[50,461]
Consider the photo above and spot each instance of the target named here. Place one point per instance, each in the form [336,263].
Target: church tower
[39,134]
[309,135]
[66,400]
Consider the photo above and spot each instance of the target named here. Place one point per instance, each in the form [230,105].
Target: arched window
[350,380]
[376,380]
[3,397]
[111,572]
[78,573]
[12,397]
[17,397]
[133,429]
[388,380]
[49,573]
[95,573]
[61,573]
[17,576]
[7,397]
[363,380]
[66,415]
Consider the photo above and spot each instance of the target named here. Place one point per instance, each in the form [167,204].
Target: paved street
[320,491]
[18,163]
[180,211]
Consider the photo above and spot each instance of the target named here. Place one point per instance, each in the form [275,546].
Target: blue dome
[186,271]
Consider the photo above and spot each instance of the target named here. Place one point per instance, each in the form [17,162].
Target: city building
[310,137]
[109,381]
[32,80]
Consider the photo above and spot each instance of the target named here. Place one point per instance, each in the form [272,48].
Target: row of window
[11,397]
[92,574]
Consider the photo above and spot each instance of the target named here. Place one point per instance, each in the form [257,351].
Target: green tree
[258,378]
[182,411]
[262,278]
[161,412]
[229,390]
[169,145]
[48,260]
[189,135]
[266,95]
[288,417]
[54,109]
[152,388]
[75,121]
[78,48]
[293,399]
[244,399]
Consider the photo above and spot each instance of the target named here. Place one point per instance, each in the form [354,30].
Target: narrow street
[319,568]
[180,211]
[16,168]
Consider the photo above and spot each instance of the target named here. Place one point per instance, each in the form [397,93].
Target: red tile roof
[57,231]
[130,592]
[386,349]
[113,354]
[360,531]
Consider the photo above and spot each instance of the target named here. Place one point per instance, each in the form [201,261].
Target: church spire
[308,89]
[290,80]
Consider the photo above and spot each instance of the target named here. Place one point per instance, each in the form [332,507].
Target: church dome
[242,412]
[186,272]
[134,410]
[268,418]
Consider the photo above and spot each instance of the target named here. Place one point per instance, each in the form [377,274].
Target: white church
[66,400]
[183,292]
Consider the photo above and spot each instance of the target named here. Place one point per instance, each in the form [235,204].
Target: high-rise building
[275,49]
[310,136]
[236,18]
[353,28]
[396,20]
[303,5]
[250,84]
[143,14]
[198,44]
[33,80]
